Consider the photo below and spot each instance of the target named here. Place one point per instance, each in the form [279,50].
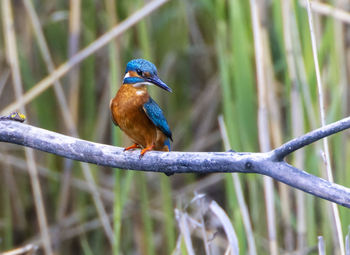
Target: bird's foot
[134,146]
[143,151]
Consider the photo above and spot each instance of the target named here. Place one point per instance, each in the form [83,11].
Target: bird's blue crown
[141,65]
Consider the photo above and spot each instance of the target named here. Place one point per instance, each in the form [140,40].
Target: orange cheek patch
[133,74]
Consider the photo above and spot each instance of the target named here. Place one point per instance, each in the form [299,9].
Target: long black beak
[158,82]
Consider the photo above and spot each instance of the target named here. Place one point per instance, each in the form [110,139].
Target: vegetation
[206,51]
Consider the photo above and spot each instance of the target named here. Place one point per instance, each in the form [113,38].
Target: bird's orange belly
[135,123]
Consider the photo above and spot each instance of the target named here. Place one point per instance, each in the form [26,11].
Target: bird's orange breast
[128,114]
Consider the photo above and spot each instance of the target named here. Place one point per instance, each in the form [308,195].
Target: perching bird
[136,113]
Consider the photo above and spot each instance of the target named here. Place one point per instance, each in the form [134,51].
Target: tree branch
[311,137]
[270,163]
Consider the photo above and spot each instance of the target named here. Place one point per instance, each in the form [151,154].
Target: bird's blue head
[142,72]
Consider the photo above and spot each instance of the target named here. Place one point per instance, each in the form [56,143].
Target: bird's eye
[139,72]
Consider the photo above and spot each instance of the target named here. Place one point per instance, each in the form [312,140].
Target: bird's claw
[134,146]
[143,151]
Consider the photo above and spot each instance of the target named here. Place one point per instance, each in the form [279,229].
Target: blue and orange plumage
[136,113]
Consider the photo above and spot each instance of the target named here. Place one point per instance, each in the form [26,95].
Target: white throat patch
[140,92]
[139,84]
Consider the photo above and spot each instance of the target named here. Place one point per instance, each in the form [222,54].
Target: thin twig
[27,250]
[73,47]
[181,162]
[83,54]
[297,115]
[3,79]
[311,137]
[263,121]
[68,119]
[227,225]
[239,193]
[335,210]
[12,57]
[46,55]
[328,10]
[185,230]
[321,246]
[20,165]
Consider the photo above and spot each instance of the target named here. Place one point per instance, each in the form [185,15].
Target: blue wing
[155,114]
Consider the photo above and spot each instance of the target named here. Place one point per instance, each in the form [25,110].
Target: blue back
[155,114]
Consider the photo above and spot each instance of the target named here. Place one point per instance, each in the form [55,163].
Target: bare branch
[269,163]
[311,137]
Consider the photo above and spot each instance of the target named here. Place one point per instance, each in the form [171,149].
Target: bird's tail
[167,144]
[166,147]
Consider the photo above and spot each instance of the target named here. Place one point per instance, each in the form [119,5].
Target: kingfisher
[136,113]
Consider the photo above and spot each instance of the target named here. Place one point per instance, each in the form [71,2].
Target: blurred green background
[204,51]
